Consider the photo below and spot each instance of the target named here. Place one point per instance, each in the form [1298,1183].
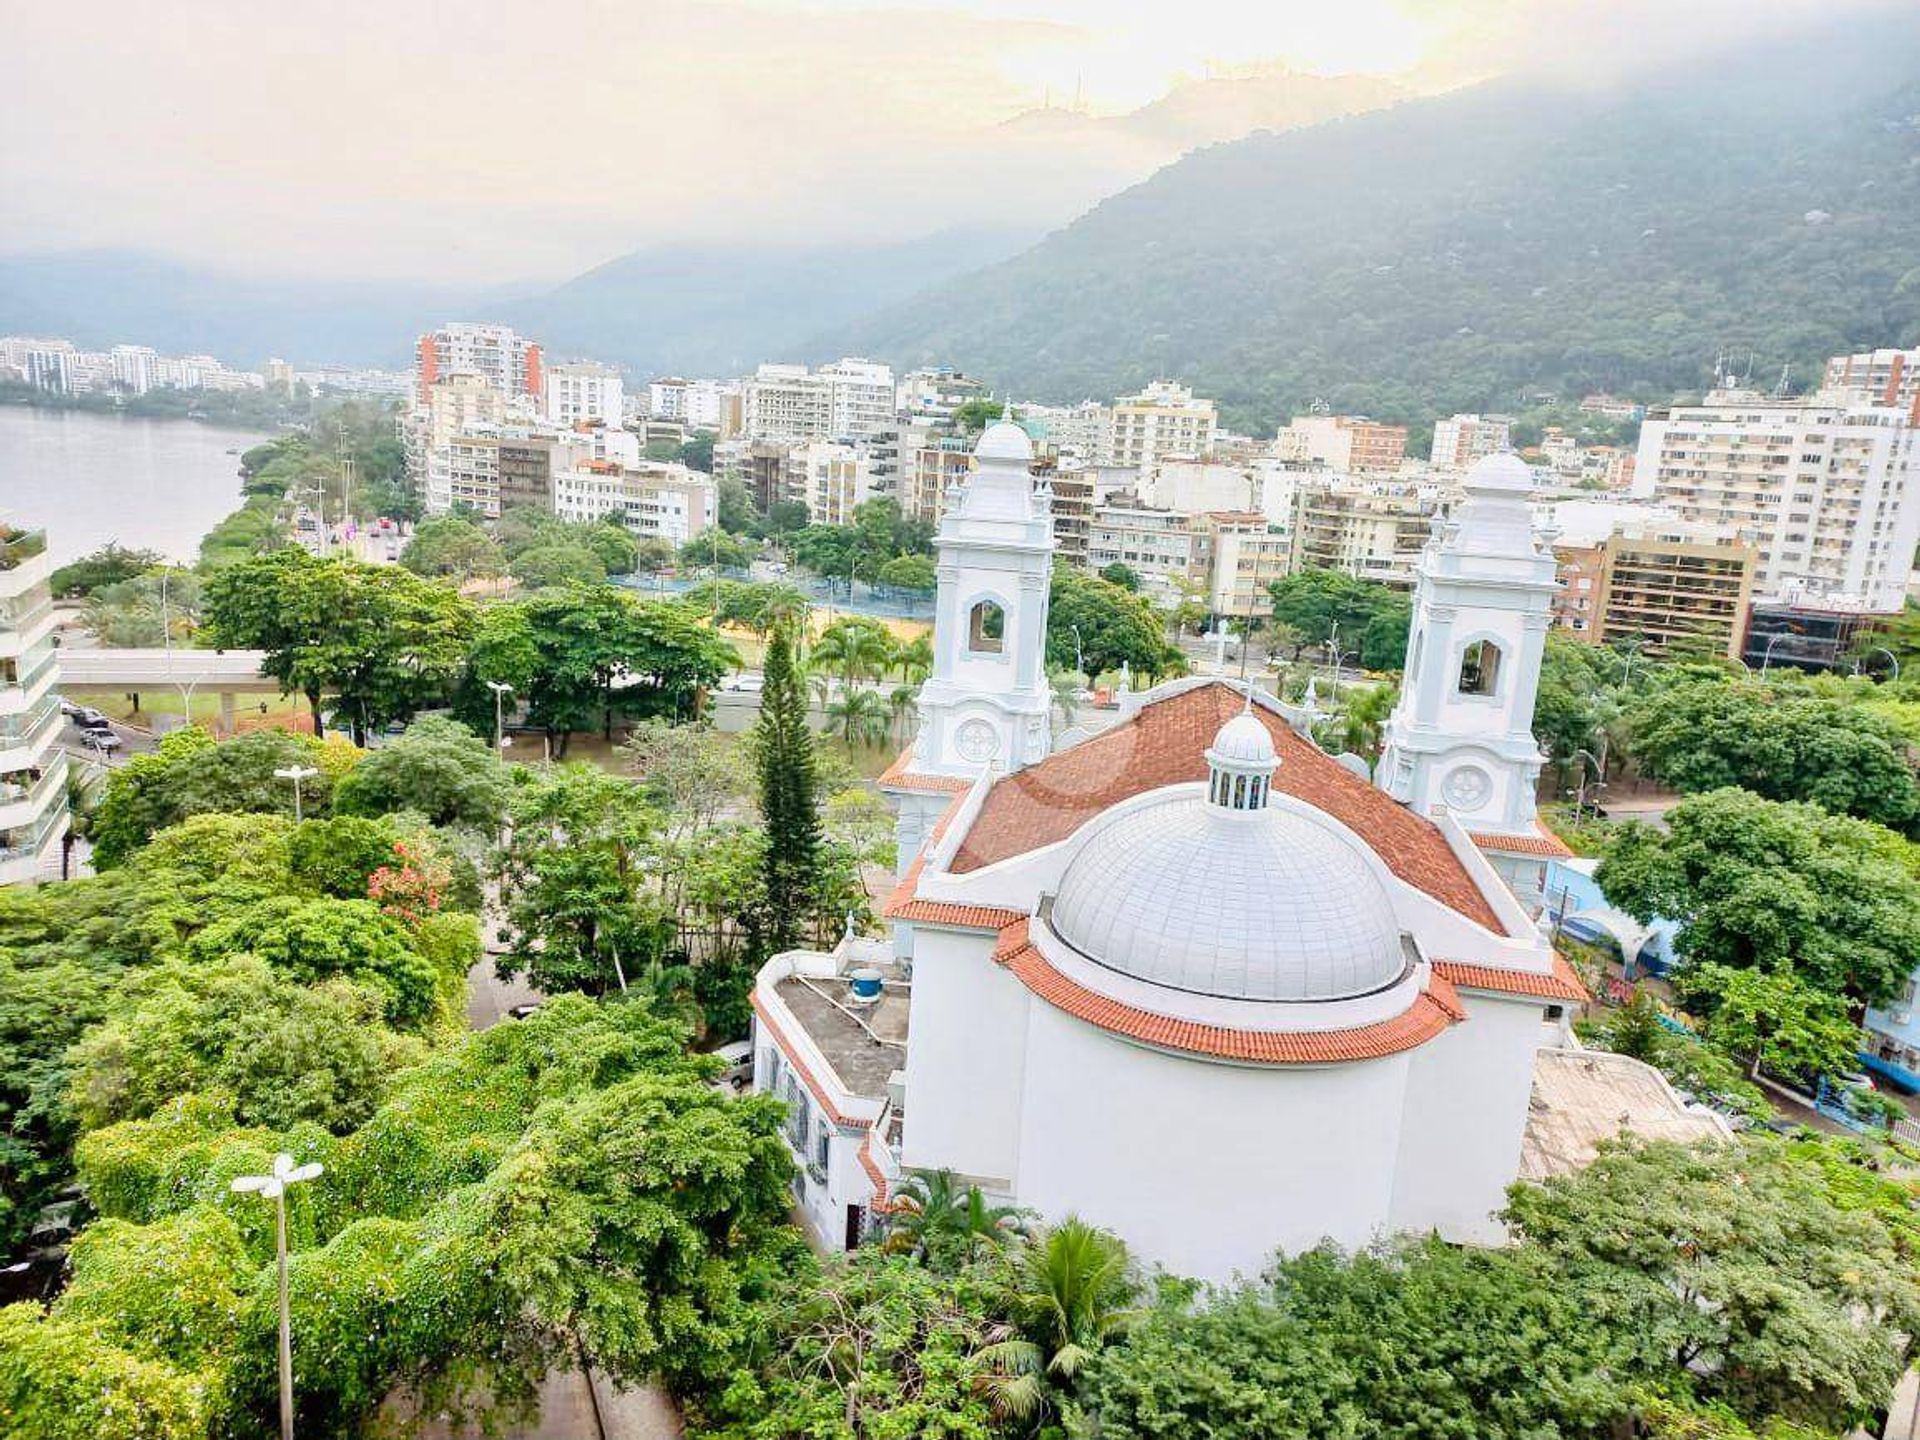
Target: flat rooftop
[863,1043]
[1582,1097]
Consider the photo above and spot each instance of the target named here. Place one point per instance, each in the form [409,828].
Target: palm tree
[856,648]
[1073,1290]
[86,788]
[935,1219]
[914,658]
[1066,694]
[904,702]
[861,717]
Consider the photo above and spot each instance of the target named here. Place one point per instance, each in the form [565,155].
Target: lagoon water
[87,479]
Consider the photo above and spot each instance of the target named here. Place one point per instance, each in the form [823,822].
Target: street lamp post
[1580,800]
[500,690]
[273,1186]
[1766,656]
[296,773]
[1079,655]
[1892,659]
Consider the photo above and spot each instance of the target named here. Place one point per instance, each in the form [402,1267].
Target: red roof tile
[1562,984]
[879,1201]
[820,1093]
[1420,1022]
[896,776]
[903,904]
[1543,843]
[1165,744]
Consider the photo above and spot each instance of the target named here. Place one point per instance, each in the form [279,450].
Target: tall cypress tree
[789,791]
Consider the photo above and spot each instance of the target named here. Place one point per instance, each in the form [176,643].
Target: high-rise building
[1462,439]
[585,393]
[831,477]
[1073,498]
[1161,422]
[1351,444]
[1371,529]
[863,397]
[509,362]
[1247,554]
[667,398]
[935,393]
[1885,377]
[453,410]
[1639,575]
[1170,552]
[33,768]
[788,402]
[1825,489]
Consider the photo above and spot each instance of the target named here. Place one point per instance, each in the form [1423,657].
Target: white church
[1190,977]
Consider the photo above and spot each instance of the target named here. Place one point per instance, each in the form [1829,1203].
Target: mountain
[719,310]
[1453,252]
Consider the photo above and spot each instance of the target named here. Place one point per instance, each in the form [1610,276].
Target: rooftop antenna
[1319,407]
[1079,104]
[1782,389]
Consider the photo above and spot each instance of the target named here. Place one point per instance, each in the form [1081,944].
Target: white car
[738,1075]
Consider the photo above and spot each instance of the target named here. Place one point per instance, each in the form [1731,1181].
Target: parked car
[521,1012]
[739,1057]
[88,718]
[105,741]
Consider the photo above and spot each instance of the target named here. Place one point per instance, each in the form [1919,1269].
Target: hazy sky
[512,139]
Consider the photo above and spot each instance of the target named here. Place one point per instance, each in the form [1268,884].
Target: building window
[1480,669]
[986,628]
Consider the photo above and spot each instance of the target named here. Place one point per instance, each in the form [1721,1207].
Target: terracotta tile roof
[880,1199]
[896,776]
[1425,1018]
[1543,843]
[1165,744]
[820,1093]
[1562,984]
[903,904]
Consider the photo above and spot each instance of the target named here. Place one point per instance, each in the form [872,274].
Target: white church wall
[1206,1169]
[966,1059]
[1466,1110]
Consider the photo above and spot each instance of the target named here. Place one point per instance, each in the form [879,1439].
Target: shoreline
[68,406]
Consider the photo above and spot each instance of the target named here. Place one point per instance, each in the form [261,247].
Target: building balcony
[23,561]
[22,803]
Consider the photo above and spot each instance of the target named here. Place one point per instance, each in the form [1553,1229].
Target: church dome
[1004,440]
[1243,740]
[1262,904]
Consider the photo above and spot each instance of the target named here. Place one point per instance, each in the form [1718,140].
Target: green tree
[715,550]
[789,790]
[1125,576]
[381,639]
[1773,1020]
[945,1224]
[446,545]
[1073,1293]
[1367,617]
[1739,1270]
[652,555]
[1756,884]
[112,564]
[546,567]
[1776,740]
[908,572]
[1115,628]
[438,768]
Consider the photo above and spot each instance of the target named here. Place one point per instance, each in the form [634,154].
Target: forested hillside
[1455,252]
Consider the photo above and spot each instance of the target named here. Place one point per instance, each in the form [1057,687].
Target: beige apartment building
[1248,553]
[1171,553]
[1460,440]
[1826,490]
[1887,377]
[1073,491]
[1351,444]
[1653,580]
[1162,421]
[1374,530]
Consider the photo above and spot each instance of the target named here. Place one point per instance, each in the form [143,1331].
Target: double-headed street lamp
[296,773]
[273,1186]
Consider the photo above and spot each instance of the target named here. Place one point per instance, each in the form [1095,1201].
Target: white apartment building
[936,392]
[654,499]
[585,392]
[1460,440]
[667,399]
[1162,421]
[1169,552]
[1197,487]
[833,479]
[788,402]
[1375,530]
[1826,490]
[508,361]
[863,397]
[1082,432]
[1248,553]
[33,768]
[455,409]
[1887,377]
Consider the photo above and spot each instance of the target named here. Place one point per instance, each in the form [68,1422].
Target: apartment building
[585,393]
[1351,444]
[1612,407]
[509,362]
[1640,575]
[1371,529]
[1073,500]
[938,465]
[1161,422]
[759,465]
[1247,554]
[1886,377]
[831,477]
[33,768]
[1169,552]
[527,465]
[1082,433]
[788,402]
[657,500]
[1460,440]
[1197,487]
[936,392]
[1826,490]
[455,407]
[862,397]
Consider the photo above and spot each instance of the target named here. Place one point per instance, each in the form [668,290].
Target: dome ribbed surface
[1004,440]
[1245,740]
[1267,905]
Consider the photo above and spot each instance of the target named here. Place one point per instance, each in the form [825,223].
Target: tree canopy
[1115,627]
